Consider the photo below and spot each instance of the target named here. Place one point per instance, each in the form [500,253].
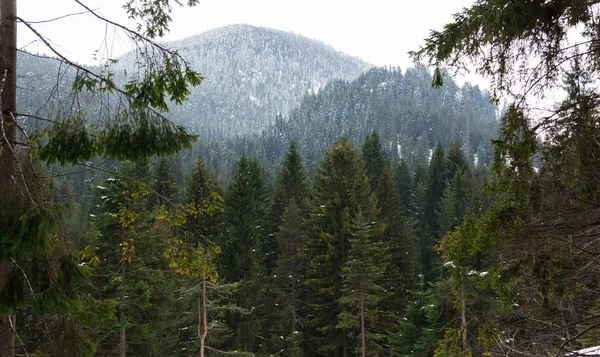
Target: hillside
[251,75]
[409,115]
[254,73]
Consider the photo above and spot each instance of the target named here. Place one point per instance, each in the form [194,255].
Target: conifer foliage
[342,196]
[243,261]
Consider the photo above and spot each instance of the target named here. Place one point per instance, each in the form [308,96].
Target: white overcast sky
[378,31]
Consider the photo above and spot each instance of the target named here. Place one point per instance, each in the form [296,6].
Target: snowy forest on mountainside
[326,207]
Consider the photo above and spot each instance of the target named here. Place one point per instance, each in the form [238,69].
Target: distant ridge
[253,74]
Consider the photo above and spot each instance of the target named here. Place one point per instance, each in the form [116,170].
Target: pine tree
[192,252]
[453,205]
[164,181]
[206,196]
[456,160]
[436,183]
[455,200]
[133,128]
[427,313]
[341,191]
[419,188]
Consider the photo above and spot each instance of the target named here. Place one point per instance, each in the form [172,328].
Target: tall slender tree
[341,192]
[292,186]
[436,183]
[363,287]
[130,269]
[287,279]
[399,238]
[546,173]
[397,233]
[245,204]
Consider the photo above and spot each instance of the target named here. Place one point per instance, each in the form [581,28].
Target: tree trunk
[363,340]
[8,78]
[202,317]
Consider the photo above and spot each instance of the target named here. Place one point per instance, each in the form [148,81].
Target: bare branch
[59,18]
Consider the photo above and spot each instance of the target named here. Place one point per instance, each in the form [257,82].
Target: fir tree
[456,160]
[133,128]
[422,326]
[436,183]
[164,181]
[396,235]
[206,196]
[455,200]
[419,188]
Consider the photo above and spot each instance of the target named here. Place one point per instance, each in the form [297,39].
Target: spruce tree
[192,252]
[363,287]
[436,183]
[405,187]
[286,281]
[133,127]
[397,233]
[456,160]
[292,186]
[400,240]
[206,196]
[243,261]
[434,190]
[164,181]
[130,269]
[374,158]
[419,188]
[455,200]
[341,192]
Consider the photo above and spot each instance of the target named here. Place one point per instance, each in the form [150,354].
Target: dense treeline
[335,250]
[409,115]
[251,75]
[338,264]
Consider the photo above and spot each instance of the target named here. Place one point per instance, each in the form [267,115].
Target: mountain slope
[254,73]
[409,115]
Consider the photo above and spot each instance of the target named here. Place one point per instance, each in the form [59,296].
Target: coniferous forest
[367,211]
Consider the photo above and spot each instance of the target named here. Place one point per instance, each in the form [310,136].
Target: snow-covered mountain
[252,75]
